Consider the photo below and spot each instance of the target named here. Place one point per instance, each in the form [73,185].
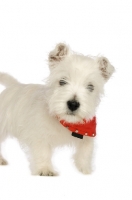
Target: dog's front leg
[40,160]
[83,155]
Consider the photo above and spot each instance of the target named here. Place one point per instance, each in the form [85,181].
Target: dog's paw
[3,161]
[48,173]
[45,172]
[84,169]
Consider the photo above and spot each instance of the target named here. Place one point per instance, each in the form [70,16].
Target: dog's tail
[7,80]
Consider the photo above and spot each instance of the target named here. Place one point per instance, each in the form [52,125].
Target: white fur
[31,113]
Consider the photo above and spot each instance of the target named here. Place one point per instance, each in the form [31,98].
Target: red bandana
[88,128]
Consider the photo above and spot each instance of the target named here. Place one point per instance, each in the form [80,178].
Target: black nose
[73,105]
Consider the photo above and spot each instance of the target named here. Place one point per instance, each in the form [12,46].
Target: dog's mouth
[72,117]
[71,113]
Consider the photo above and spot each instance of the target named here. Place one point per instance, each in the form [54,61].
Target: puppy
[43,117]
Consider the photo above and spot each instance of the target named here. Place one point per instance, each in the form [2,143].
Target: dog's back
[8,81]
[14,101]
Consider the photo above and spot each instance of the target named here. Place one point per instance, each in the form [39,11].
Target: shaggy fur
[31,112]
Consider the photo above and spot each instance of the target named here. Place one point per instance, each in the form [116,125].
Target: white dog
[37,115]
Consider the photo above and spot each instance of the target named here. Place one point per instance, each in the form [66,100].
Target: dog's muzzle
[73,105]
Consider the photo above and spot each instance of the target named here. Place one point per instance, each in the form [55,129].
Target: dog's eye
[90,87]
[62,82]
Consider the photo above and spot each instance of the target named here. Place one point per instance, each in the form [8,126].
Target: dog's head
[75,83]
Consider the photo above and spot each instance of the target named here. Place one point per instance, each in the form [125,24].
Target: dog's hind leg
[2,160]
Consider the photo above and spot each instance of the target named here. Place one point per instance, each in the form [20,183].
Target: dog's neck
[87,128]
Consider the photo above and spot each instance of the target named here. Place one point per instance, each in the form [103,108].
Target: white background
[29,29]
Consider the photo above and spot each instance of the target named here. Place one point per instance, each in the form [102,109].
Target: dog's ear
[58,54]
[105,67]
